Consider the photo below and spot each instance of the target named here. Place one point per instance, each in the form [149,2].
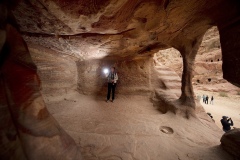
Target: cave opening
[170,58]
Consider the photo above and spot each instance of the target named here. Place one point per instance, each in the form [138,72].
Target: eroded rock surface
[66,37]
[58,73]
[230,141]
[31,132]
[207,73]
[125,29]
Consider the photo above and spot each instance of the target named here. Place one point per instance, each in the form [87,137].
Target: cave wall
[10,145]
[230,41]
[126,28]
[228,26]
[58,73]
[140,26]
[31,132]
[134,75]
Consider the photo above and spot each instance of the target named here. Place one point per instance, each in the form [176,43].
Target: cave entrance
[209,51]
[172,59]
[170,66]
[211,76]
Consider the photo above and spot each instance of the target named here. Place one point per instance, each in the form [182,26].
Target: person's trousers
[225,130]
[211,102]
[111,89]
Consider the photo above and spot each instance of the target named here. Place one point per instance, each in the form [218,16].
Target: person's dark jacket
[227,124]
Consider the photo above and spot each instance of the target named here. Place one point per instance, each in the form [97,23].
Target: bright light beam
[105,71]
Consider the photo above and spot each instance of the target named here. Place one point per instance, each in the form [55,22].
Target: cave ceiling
[106,28]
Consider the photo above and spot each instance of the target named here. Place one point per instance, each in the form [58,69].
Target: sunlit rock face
[207,73]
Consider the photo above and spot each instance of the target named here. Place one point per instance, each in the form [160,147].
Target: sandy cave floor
[132,129]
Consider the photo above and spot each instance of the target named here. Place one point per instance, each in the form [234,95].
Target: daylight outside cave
[57,60]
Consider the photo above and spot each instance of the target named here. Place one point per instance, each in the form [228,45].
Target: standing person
[211,102]
[203,98]
[226,123]
[112,83]
[206,100]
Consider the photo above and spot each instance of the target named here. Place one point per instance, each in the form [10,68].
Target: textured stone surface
[58,73]
[231,56]
[230,141]
[77,32]
[121,29]
[124,29]
[207,73]
[40,135]
[134,73]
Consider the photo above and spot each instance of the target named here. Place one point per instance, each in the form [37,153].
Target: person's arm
[231,122]
[107,76]
[225,123]
[115,78]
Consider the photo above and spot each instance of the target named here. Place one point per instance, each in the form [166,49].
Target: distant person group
[206,99]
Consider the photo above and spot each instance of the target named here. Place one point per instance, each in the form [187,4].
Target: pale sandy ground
[223,106]
[132,129]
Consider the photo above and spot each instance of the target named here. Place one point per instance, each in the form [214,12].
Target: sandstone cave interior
[168,54]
